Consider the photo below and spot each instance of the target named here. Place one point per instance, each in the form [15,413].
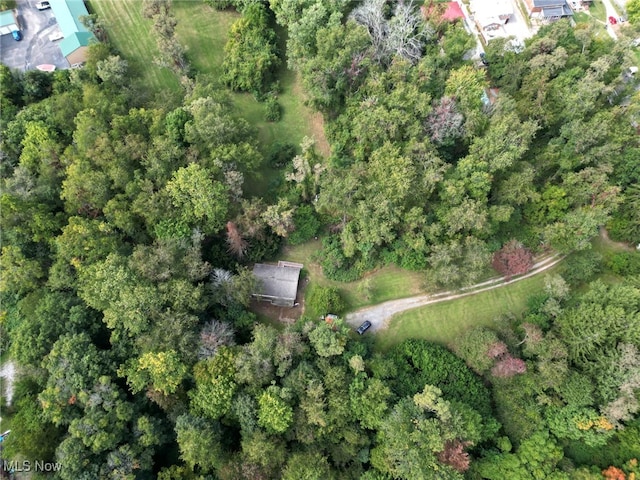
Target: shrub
[280,153]
[323,300]
[625,263]
[582,267]
[512,259]
[307,225]
[272,109]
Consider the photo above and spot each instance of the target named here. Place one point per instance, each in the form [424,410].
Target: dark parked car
[483,58]
[364,327]
[17,35]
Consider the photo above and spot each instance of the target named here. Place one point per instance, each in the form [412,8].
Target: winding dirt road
[379,315]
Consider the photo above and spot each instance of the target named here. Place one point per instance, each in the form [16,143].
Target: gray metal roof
[549,3]
[277,281]
[561,11]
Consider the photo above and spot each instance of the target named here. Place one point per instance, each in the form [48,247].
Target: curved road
[379,314]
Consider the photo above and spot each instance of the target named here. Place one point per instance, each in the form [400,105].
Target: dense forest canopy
[128,233]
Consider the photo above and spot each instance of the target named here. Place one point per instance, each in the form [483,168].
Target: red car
[612,20]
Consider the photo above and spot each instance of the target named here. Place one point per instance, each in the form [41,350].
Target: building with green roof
[76,37]
[8,22]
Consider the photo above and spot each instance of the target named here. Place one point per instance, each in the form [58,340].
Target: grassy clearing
[444,322]
[203,31]
[132,36]
[385,283]
[598,11]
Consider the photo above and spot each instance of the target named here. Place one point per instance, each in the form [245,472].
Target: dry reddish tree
[497,349]
[508,366]
[512,259]
[237,244]
[614,473]
[455,456]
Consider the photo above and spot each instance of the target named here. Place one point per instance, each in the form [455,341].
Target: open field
[131,34]
[598,11]
[445,321]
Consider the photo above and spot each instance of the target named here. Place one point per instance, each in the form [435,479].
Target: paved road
[380,314]
[611,12]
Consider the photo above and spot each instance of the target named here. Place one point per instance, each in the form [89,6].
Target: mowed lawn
[132,35]
[385,283]
[444,322]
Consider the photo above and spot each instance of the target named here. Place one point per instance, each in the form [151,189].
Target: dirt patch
[620,245]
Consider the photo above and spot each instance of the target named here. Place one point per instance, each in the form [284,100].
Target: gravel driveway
[380,314]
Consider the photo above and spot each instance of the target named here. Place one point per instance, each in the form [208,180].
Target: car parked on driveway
[612,20]
[364,327]
[43,5]
[17,35]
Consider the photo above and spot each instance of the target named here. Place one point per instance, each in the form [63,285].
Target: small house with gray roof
[549,9]
[277,284]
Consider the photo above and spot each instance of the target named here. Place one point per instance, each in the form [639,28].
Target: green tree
[200,199]
[329,337]
[250,53]
[199,442]
[215,384]
[274,414]
[19,273]
[73,366]
[409,439]
[537,458]
[161,371]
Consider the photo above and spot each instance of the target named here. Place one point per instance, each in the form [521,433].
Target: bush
[250,53]
[323,300]
[307,225]
[272,109]
[336,266]
[625,263]
[280,153]
[582,267]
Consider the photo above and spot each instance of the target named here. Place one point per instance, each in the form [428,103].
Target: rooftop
[7,18]
[278,281]
[453,12]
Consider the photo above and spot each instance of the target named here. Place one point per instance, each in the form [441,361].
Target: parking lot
[36,47]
